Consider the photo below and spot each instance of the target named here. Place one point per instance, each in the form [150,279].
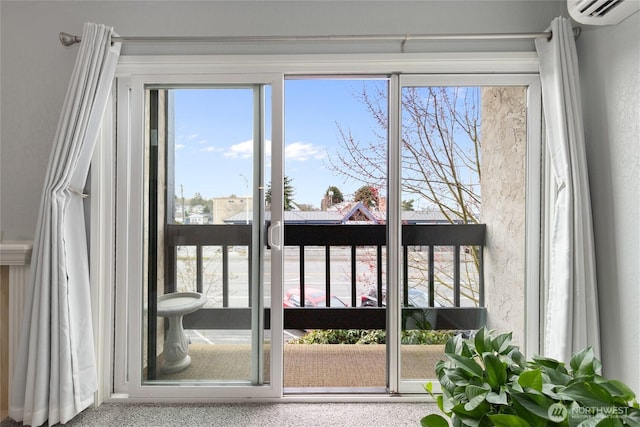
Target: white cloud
[242,150]
[210,149]
[296,151]
[302,151]
[179,147]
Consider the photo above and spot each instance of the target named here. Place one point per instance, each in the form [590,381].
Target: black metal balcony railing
[330,236]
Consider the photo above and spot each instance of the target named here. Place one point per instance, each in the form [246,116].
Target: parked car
[417,298]
[312,298]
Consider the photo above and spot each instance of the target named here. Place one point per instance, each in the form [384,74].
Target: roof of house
[355,213]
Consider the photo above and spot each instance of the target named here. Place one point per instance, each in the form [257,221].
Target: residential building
[226,207]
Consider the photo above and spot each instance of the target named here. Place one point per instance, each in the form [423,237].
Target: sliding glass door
[265,219]
[203,315]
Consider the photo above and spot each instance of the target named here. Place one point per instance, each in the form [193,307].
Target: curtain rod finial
[68,39]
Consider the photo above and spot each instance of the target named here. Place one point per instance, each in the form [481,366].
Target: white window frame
[135,71]
[130,238]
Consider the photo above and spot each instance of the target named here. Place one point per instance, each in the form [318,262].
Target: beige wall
[504,143]
[609,59]
[34,84]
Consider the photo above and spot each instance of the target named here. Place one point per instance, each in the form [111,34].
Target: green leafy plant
[486,381]
[341,336]
[426,337]
[370,336]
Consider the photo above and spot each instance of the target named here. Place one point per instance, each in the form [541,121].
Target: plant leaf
[502,343]
[476,395]
[496,370]
[458,377]
[549,391]
[557,376]
[445,404]
[468,365]
[526,415]
[454,345]
[471,417]
[498,398]
[610,422]
[479,341]
[536,404]
[504,420]
[587,394]
[434,420]
[632,416]
[446,382]
[531,379]
[518,358]
[584,363]
[548,362]
[588,422]
[617,389]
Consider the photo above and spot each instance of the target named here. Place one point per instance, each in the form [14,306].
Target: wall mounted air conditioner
[602,12]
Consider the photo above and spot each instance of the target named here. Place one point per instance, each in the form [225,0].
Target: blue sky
[213,133]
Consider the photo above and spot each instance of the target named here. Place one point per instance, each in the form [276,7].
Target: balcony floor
[310,365]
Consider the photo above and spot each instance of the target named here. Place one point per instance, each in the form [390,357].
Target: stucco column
[504,139]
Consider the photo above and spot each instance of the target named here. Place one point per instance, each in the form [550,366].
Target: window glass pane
[460,147]
[336,181]
[203,151]
[213,149]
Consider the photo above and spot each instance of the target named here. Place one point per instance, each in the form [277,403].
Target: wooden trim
[15,253]
[15,257]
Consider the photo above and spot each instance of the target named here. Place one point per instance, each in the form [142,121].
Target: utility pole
[246,201]
[184,218]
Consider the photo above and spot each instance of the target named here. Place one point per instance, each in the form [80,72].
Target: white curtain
[571,312]
[55,373]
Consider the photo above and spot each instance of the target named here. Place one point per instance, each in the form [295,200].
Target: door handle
[272,229]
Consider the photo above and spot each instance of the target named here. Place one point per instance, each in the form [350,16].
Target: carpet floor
[306,366]
[316,365]
[388,414]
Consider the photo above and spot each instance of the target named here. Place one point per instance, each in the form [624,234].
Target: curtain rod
[69,39]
